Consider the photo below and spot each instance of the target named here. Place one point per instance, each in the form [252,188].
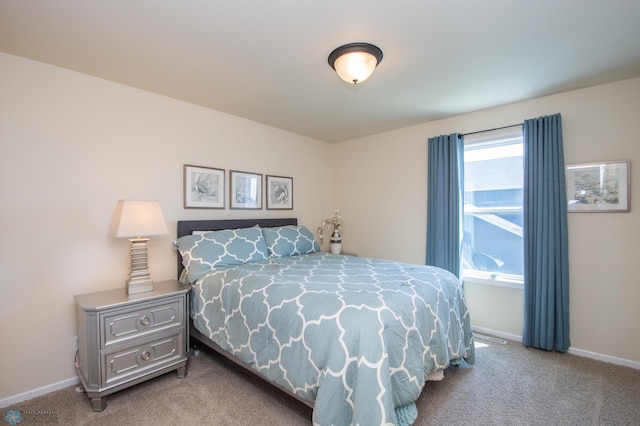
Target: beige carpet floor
[508,385]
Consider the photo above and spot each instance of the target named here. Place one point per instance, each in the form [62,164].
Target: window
[492,244]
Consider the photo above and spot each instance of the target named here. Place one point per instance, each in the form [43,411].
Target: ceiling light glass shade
[355,62]
[355,67]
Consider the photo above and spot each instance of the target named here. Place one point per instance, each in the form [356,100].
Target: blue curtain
[546,263]
[444,202]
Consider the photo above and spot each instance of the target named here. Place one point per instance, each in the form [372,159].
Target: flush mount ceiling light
[355,62]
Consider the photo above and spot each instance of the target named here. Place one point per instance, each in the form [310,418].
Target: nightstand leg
[99,404]
[182,372]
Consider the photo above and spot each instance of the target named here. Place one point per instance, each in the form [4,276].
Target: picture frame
[603,187]
[279,192]
[245,190]
[204,187]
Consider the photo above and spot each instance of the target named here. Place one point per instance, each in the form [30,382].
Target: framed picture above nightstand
[127,339]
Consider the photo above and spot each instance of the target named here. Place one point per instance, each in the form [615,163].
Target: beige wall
[71,146]
[382,194]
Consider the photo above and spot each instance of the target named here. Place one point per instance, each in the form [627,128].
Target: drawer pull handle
[145,355]
[145,320]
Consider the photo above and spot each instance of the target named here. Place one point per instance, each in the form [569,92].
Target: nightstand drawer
[120,326]
[121,365]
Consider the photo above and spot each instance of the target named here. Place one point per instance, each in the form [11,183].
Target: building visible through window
[492,242]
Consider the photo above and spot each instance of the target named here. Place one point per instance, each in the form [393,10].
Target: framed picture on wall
[279,193]
[245,190]
[599,187]
[203,187]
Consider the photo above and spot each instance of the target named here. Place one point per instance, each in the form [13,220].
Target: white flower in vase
[335,220]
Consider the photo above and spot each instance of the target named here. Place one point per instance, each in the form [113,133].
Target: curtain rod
[491,130]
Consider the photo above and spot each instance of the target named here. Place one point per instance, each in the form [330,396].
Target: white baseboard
[6,402]
[575,351]
[496,333]
[605,358]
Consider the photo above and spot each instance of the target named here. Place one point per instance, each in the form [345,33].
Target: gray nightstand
[127,339]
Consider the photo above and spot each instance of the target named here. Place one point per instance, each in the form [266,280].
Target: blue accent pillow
[289,240]
[201,253]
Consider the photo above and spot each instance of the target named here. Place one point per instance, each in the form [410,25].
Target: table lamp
[138,220]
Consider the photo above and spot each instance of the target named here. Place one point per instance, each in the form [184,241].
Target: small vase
[335,248]
[336,242]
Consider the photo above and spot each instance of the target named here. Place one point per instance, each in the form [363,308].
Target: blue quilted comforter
[358,336]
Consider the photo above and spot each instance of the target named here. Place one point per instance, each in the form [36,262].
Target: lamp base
[139,286]
[139,279]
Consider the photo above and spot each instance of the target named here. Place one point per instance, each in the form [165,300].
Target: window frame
[483,141]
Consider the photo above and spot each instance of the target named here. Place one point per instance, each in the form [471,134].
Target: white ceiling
[267,60]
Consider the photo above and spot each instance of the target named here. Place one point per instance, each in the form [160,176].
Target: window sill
[498,281]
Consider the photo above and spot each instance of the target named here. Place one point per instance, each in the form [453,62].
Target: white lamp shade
[355,67]
[138,219]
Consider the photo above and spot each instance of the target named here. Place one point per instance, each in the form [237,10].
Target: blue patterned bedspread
[358,336]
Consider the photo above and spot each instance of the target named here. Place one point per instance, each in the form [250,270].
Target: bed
[354,338]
